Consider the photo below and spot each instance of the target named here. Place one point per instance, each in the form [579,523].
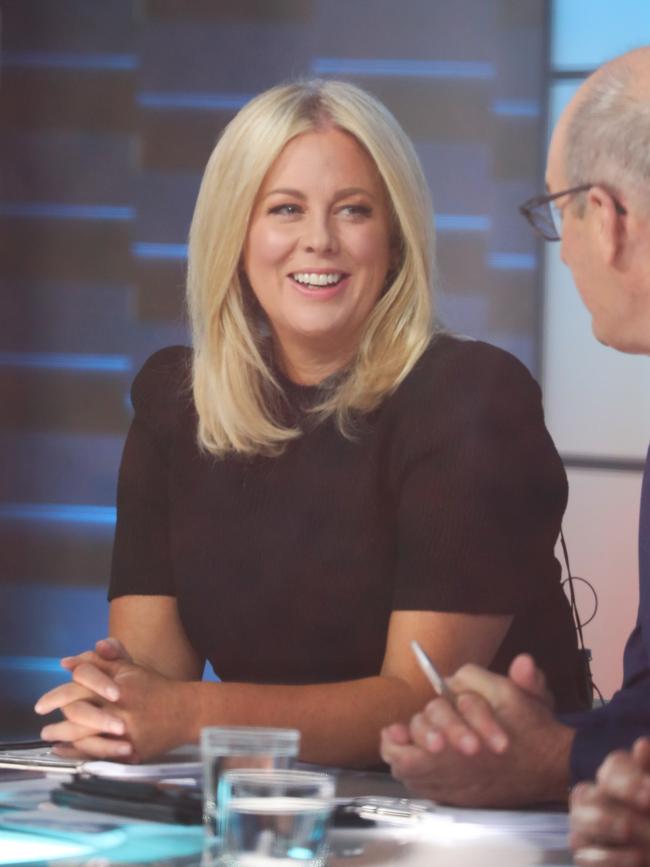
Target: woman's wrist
[191,710]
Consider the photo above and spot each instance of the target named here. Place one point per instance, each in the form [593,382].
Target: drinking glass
[229,747]
[274,817]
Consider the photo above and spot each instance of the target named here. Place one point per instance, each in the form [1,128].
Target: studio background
[108,112]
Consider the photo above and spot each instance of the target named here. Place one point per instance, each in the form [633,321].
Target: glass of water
[233,747]
[274,817]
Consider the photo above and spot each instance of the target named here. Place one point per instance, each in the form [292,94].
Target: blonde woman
[325,475]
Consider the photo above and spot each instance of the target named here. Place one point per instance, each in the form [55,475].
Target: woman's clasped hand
[326,474]
[114,708]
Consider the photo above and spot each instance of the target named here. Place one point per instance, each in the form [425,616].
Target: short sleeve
[141,562]
[481,489]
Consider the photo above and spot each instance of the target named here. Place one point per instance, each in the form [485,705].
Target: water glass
[230,747]
[274,817]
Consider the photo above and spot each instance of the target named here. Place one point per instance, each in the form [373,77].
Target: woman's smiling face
[318,246]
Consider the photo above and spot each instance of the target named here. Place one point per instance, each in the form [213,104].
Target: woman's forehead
[324,157]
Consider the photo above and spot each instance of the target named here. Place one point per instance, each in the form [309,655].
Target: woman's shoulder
[457,365]
[163,386]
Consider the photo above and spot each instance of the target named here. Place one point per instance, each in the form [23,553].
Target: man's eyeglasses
[546,218]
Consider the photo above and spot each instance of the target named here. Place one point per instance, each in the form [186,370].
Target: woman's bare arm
[340,722]
[150,629]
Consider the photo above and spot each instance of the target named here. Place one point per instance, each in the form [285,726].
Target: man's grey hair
[608,136]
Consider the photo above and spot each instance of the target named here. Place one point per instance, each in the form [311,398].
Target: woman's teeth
[307,279]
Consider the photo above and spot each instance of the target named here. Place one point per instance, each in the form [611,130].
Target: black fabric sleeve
[141,561]
[614,726]
[481,489]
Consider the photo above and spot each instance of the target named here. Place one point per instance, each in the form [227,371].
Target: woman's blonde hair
[235,390]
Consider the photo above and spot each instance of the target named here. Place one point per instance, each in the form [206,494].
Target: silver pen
[429,669]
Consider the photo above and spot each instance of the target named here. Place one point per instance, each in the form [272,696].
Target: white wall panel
[601,528]
[597,401]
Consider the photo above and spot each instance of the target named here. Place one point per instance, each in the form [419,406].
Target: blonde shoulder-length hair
[235,390]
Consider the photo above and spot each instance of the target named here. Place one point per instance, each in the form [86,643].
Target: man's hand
[498,744]
[610,819]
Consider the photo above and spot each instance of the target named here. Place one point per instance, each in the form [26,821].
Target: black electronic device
[156,802]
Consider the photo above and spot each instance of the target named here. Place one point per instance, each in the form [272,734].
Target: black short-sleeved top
[286,569]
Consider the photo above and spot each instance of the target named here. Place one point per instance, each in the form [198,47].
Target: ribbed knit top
[286,569]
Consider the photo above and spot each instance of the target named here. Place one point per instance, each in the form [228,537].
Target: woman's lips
[325,284]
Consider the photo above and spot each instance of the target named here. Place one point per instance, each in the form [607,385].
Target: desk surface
[446,837]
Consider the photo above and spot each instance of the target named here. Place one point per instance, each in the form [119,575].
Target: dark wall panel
[108,113]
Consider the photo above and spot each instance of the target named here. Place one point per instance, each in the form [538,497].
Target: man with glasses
[497,742]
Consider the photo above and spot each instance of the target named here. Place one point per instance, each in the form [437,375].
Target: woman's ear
[609,224]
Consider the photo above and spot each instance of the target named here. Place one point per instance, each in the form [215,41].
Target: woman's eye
[286,210]
[356,210]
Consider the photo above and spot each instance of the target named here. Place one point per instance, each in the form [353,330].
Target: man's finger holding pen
[440,725]
[480,716]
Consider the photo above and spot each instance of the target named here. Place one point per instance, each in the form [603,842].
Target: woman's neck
[309,365]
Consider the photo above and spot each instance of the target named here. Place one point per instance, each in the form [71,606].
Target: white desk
[446,837]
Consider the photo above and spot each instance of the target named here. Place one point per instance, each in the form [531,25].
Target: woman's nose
[319,234]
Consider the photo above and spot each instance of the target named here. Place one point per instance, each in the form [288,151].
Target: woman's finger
[97,681]
[71,662]
[67,751]
[65,732]
[106,649]
[86,714]
[105,748]
[61,696]
[112,648]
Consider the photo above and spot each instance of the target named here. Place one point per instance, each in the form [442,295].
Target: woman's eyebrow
[285,191]
[352,191]
[339,194]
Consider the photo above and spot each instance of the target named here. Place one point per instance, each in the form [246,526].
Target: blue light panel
[385,68]
[60,211]
[67,361]
[68,60]
[58,512]
[194,101]
[586,33]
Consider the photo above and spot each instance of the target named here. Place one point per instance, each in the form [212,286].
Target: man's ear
[608,223]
